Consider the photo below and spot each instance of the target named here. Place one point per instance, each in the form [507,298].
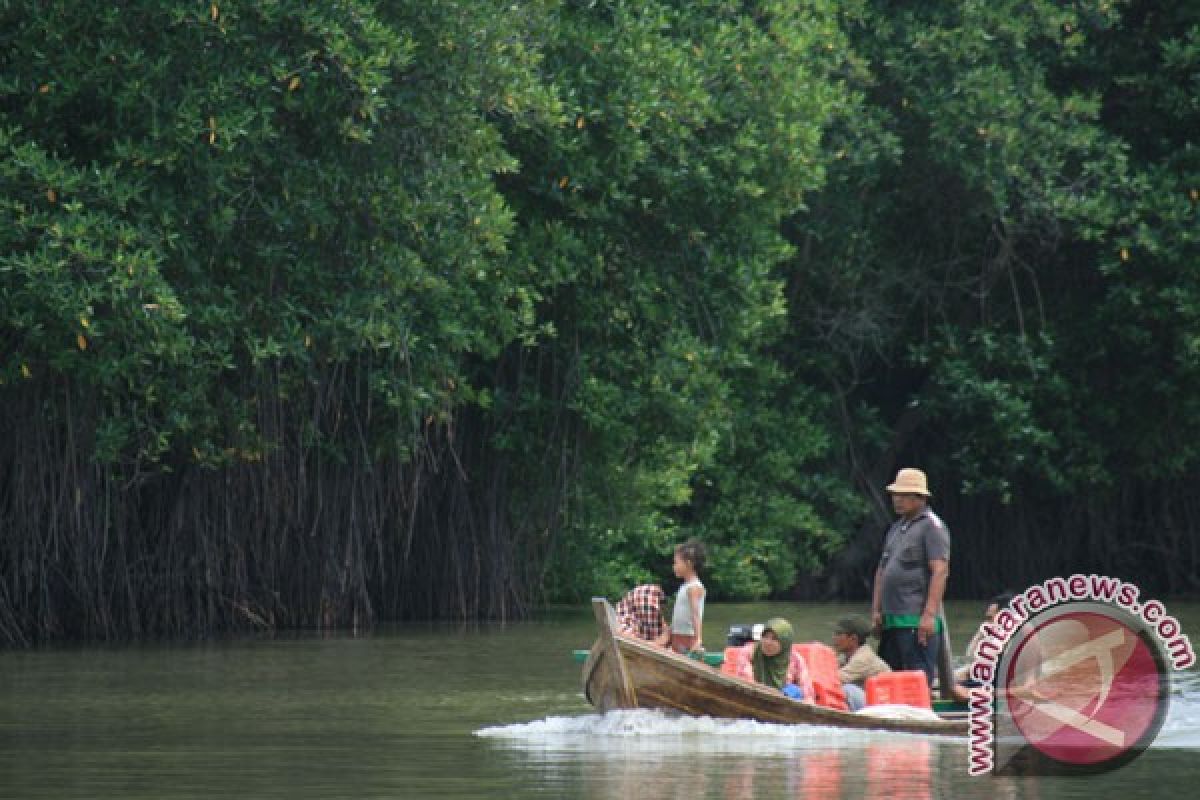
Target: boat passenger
[911,578]
[994,606]
[857,661]
[774,663]
[962,680]
[687,620]
[639,614]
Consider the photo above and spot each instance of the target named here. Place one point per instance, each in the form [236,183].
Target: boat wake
[656,754]
[1182,726]
[659,731]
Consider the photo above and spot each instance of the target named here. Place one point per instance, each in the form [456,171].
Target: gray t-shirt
[907,550]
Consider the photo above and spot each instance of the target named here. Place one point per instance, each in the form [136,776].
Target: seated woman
[774,663]
[639,614]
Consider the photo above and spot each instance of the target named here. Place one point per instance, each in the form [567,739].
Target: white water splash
[658,732]
[1182,726]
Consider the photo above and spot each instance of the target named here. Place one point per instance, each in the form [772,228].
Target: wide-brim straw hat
[910,481]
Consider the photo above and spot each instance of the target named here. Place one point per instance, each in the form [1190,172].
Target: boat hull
[627,673]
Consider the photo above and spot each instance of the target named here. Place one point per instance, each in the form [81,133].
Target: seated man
[639,614]
[858,660]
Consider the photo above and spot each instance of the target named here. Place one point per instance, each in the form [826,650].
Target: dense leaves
[1031,239]
[316,313]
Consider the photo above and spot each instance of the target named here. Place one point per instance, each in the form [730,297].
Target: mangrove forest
[322,314]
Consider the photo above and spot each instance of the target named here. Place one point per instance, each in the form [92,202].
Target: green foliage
[588,278]
[1011,213]
[691,131]
[256,187]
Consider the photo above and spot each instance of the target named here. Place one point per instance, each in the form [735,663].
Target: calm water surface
[482,711]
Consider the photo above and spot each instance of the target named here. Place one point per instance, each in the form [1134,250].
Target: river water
[470,712]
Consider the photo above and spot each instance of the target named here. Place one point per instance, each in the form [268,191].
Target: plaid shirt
[639,612]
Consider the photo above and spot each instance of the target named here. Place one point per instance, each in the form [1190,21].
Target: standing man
[911,579]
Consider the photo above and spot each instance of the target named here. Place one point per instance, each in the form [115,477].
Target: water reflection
[893,770]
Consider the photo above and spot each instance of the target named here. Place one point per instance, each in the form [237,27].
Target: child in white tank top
[687,620]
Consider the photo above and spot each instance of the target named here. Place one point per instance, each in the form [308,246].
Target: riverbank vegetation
[317,314]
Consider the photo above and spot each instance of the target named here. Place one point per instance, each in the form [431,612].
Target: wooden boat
[622,672]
